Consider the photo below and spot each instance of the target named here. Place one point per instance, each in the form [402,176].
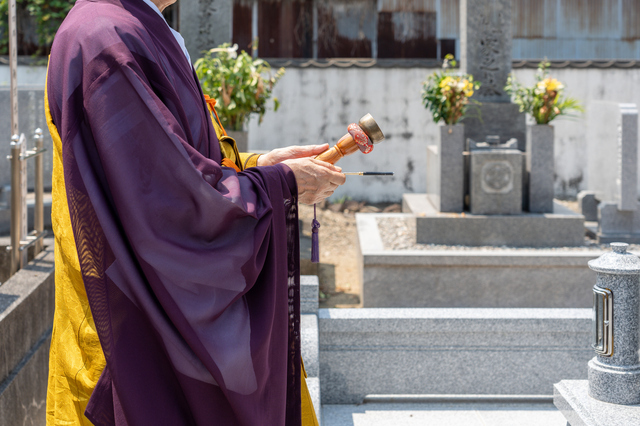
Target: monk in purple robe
[177,279]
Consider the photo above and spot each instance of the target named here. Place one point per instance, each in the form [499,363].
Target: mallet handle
[345,146]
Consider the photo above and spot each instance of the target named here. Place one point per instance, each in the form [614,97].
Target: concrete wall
[319,103]
[26,317]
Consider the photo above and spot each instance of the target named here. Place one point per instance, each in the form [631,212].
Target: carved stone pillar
[205,24]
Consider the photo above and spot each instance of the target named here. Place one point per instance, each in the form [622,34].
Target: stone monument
[205,24]
[498,175]
[611,395]
[619,211]
[485,53]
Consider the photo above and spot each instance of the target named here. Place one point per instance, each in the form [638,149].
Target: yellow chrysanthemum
[446,83]
[552,85]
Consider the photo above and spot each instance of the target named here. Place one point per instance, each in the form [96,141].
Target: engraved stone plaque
[497,177]
[495,181]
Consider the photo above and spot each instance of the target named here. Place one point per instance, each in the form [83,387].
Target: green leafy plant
[47,15]
[544,101]
[240,84]
[446,94]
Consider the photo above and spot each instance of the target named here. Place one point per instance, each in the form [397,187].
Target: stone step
[449,414]
[450,351]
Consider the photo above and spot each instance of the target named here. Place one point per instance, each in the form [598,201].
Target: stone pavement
[443,414]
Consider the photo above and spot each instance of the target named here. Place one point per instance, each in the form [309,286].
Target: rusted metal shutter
[346,28]
[242,21]
[407,29]
[631,17]
[285,28]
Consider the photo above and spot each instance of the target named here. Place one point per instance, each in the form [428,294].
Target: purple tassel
[315,245]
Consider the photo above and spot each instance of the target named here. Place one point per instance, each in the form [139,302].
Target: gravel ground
[337,271]
[400,234]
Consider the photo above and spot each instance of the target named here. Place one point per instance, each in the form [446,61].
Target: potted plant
[446,94]
[241,86]
[543,102]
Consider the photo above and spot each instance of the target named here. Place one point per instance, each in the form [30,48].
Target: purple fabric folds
[191,269]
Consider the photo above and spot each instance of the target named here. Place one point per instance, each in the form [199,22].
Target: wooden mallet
[347,145]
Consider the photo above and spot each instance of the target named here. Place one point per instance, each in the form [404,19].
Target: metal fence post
[16,192]
[38,212]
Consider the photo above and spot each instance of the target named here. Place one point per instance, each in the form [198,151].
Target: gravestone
[205,24]
[485,52]
[445,170]
[612,151]
[540,168]
[619,211]
[588,203]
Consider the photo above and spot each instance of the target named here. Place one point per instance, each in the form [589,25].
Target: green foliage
[544,101]
[238,84]
[47,15]
[447,94]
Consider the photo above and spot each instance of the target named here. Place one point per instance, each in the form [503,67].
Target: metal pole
[16,192]
[13,65]
[38,212]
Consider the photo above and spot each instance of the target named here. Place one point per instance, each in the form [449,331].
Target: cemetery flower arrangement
[446,94]
[545,100]
[240,84]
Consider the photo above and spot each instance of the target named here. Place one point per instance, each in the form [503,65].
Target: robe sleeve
[199,233]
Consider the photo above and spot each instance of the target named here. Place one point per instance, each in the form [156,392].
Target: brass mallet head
[371,128]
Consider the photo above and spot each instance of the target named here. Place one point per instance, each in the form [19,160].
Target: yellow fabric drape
[76,359]
[242,160]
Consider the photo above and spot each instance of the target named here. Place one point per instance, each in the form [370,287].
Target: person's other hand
[316,179]
[279,155]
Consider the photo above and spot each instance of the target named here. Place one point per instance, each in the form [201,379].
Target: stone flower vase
[242,139]
[540,168]
[445,169]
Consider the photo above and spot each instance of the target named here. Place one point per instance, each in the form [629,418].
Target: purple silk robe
[191,269]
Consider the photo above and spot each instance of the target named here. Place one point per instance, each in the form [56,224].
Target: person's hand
[316,179]
[281,154]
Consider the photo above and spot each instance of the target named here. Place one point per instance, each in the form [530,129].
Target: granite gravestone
[485,52]
[612,150]
[205,24]
[445,170]
[540,165]
[619,211]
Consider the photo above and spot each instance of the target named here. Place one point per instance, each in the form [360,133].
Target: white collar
[176,34]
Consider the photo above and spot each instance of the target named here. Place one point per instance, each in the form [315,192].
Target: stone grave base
[563,228]
[618,226]
[572,398]
[470,277]
[375,354]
